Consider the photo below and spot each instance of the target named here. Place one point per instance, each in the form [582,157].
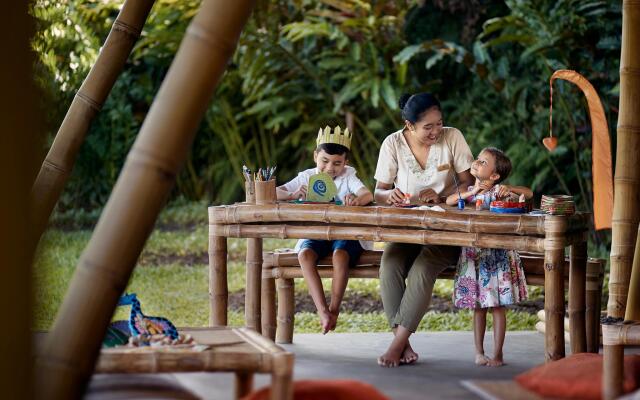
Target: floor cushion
[326,389]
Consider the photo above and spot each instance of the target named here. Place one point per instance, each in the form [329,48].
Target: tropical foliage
[302,64]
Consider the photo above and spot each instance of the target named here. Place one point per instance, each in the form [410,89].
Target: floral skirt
[488,278]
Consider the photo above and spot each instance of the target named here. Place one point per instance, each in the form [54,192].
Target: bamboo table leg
[218,292]
[577,297]
[612,371]
[555,228]
[268,307]
[282,377]
[252,293]
[244,383]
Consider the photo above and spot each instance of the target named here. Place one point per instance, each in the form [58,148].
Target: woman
[417,161]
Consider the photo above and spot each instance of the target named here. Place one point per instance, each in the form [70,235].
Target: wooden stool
[279,268]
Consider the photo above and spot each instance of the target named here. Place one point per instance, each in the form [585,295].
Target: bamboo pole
[612,370]
[577,297]
[626,212]
[452,220]
[286,310]
[20,116]
[633,299]
[554,288]
[253,275]
[86,104]
[140,193]
[218,290]
[330,232]
[595,276]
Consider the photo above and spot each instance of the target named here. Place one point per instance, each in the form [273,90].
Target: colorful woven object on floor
[140,324]
[558,204]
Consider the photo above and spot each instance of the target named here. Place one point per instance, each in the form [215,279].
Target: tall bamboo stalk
[85,106]
[18,132]
[626,212]
[140,193]
[629,121]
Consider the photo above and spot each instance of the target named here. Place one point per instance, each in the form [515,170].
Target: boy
[331,156]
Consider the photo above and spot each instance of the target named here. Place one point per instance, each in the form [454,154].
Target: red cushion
[327,389]
[578,376]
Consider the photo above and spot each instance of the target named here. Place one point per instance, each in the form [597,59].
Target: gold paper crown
[337,136]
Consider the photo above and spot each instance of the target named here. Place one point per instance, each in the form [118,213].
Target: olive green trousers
[407,275]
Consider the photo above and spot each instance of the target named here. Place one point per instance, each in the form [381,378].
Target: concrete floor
[446,359]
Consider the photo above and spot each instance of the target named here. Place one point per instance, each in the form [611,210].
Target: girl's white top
[398,166]
[347,182]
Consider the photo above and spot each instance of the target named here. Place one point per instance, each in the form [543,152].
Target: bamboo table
[539,234]
[242,351]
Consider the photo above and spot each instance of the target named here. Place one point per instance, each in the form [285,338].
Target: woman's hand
[301,193]
[429,196]
[395,197]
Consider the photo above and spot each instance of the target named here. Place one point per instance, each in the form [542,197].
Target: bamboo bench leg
[577,309]
[612,371]
[268,306]
[244,383]
[286,310]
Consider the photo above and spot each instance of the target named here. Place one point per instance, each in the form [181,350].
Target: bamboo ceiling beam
[69,355]
[626,212]
[86,104]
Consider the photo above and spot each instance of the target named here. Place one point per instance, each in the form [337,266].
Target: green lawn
[171,278]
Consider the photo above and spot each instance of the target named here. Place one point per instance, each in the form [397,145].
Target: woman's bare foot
[481,359]
[326,319]
[390,359]
[408,355]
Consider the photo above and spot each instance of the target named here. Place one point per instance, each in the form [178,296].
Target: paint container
[265,192]
[460,204]
[250,192]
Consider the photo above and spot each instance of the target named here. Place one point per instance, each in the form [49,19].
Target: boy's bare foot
[326,319]
[408,355]
[481,359]
[334,320]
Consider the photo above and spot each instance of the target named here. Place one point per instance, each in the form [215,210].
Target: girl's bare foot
[408,355]
[481,359]
[326,319]
[496,361]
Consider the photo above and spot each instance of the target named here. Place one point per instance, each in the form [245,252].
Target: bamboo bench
[279,268]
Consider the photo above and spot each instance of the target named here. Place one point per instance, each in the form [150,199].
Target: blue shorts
[325,247]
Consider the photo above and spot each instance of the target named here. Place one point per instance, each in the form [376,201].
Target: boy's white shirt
[347,182]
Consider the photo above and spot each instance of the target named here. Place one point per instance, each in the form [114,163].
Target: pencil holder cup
[265,192]
[250,192]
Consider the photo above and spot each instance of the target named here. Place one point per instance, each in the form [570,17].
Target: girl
[489,278]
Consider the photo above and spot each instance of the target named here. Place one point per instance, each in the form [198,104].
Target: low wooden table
[544,234]
[238,350]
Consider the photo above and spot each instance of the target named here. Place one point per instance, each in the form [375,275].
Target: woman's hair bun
[403,100]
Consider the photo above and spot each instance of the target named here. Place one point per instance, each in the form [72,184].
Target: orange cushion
[578,376]
[327,389]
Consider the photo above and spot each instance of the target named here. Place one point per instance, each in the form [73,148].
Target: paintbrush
[460,200]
